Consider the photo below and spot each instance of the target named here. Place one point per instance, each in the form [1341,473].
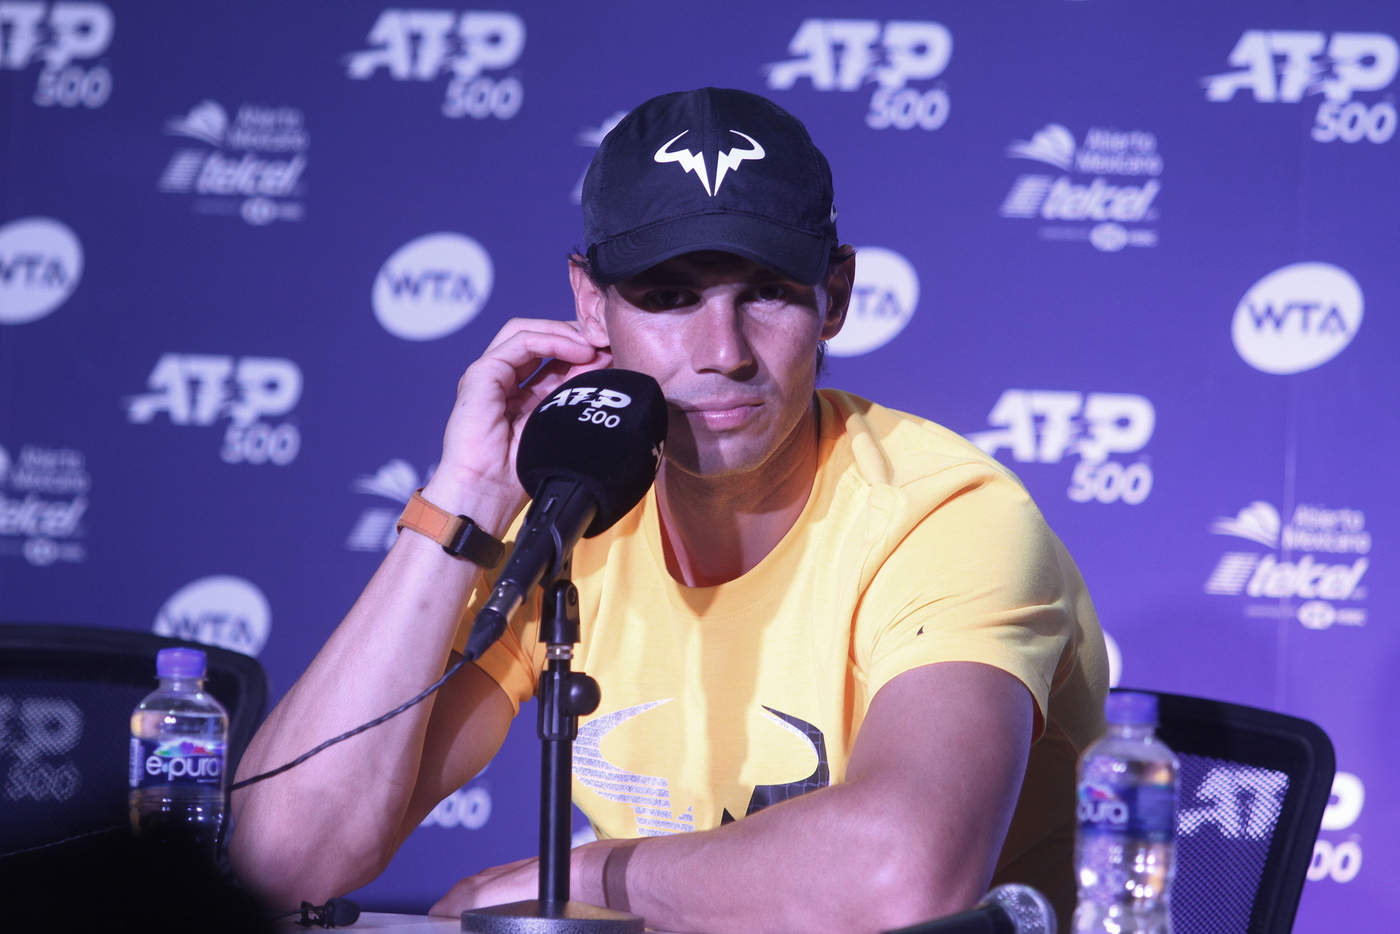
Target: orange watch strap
[459,536]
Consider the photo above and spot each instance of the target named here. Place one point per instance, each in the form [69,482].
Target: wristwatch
[459,536]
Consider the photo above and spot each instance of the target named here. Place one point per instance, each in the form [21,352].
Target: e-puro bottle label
[176,761]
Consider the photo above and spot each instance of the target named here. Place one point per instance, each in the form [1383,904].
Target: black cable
[77,836]
[355,732]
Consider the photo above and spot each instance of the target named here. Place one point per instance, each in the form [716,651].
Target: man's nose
[718,341]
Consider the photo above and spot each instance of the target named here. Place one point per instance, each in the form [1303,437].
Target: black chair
[1254,784]
[66,696]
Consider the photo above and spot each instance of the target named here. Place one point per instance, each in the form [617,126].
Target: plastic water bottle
[1126,844]
[178,737]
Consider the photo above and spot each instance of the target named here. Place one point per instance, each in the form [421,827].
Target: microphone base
[529,917]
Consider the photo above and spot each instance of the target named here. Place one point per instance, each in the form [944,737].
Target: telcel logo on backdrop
[252,165]
[422,45]
[43,497]
[1043,426]
[1317,591]
[883,299]
[220,610]
[1339,859]
[41,262]
[592,137]
[374,530]
[201,389]
[1096,197]
[1284,66]
[63,37]
[1297,318]
[432,286]
[849,54]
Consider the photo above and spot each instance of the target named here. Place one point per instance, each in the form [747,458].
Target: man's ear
[589,300]
[839,282]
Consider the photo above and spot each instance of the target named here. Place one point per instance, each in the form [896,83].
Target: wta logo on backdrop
[41,263]
[1286,66]
[471,46]
[848,55]
[220,610]
[1297,318]
[884,298]
[1097,196]
[64,38]
[432,286]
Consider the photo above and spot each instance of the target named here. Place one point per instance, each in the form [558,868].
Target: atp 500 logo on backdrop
[252,164]
[883,300]
[1348,69]
[201,390]
[1312,570]
[1337,857]
[471,47]
[1104,192]
[899,57]
[1297,318]
[222,610]
[63,39]
[1043,426]
[41,262]
[38,735]
[43,498]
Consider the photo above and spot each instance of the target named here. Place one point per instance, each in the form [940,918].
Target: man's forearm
[842,858]
[329,824]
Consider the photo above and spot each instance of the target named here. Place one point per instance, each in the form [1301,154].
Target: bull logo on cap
[695,162]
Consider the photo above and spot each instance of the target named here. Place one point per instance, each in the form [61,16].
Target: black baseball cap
[710,169]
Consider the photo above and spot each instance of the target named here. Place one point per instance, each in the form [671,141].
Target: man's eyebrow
[690,277]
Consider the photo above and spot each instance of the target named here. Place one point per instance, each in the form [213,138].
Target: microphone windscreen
[605,430]
[341,911]
[1029,911]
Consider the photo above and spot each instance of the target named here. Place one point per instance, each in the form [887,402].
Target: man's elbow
[285,867]
[907,880]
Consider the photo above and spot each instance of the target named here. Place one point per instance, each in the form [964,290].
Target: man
[819,595]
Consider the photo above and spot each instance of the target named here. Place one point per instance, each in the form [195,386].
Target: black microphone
[1007,909]
[336,912]
[588,454]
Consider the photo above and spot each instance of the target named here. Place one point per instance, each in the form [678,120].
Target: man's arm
[332,823]
[913,832]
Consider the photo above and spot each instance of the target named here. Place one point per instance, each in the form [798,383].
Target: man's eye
[772,292]
[667,298]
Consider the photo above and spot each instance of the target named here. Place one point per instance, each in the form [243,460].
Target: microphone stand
[564,696]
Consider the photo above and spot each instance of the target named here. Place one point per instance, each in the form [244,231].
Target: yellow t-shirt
[914,547]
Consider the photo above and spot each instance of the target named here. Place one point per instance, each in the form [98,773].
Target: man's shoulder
[889,447]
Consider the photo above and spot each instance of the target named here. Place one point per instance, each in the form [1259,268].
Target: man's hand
[495,396]
[501,885]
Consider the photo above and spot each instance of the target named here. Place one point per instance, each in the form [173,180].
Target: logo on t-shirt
[649,796]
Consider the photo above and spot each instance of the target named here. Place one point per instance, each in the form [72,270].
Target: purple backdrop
[1143,253]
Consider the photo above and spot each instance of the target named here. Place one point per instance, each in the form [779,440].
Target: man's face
[733,345]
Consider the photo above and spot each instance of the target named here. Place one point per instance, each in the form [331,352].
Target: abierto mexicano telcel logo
[1297,318]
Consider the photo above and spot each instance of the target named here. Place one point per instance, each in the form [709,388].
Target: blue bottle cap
[1130,707]
[180,663]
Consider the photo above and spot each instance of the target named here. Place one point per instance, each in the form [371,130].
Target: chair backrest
[1254,784]
[66,696]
